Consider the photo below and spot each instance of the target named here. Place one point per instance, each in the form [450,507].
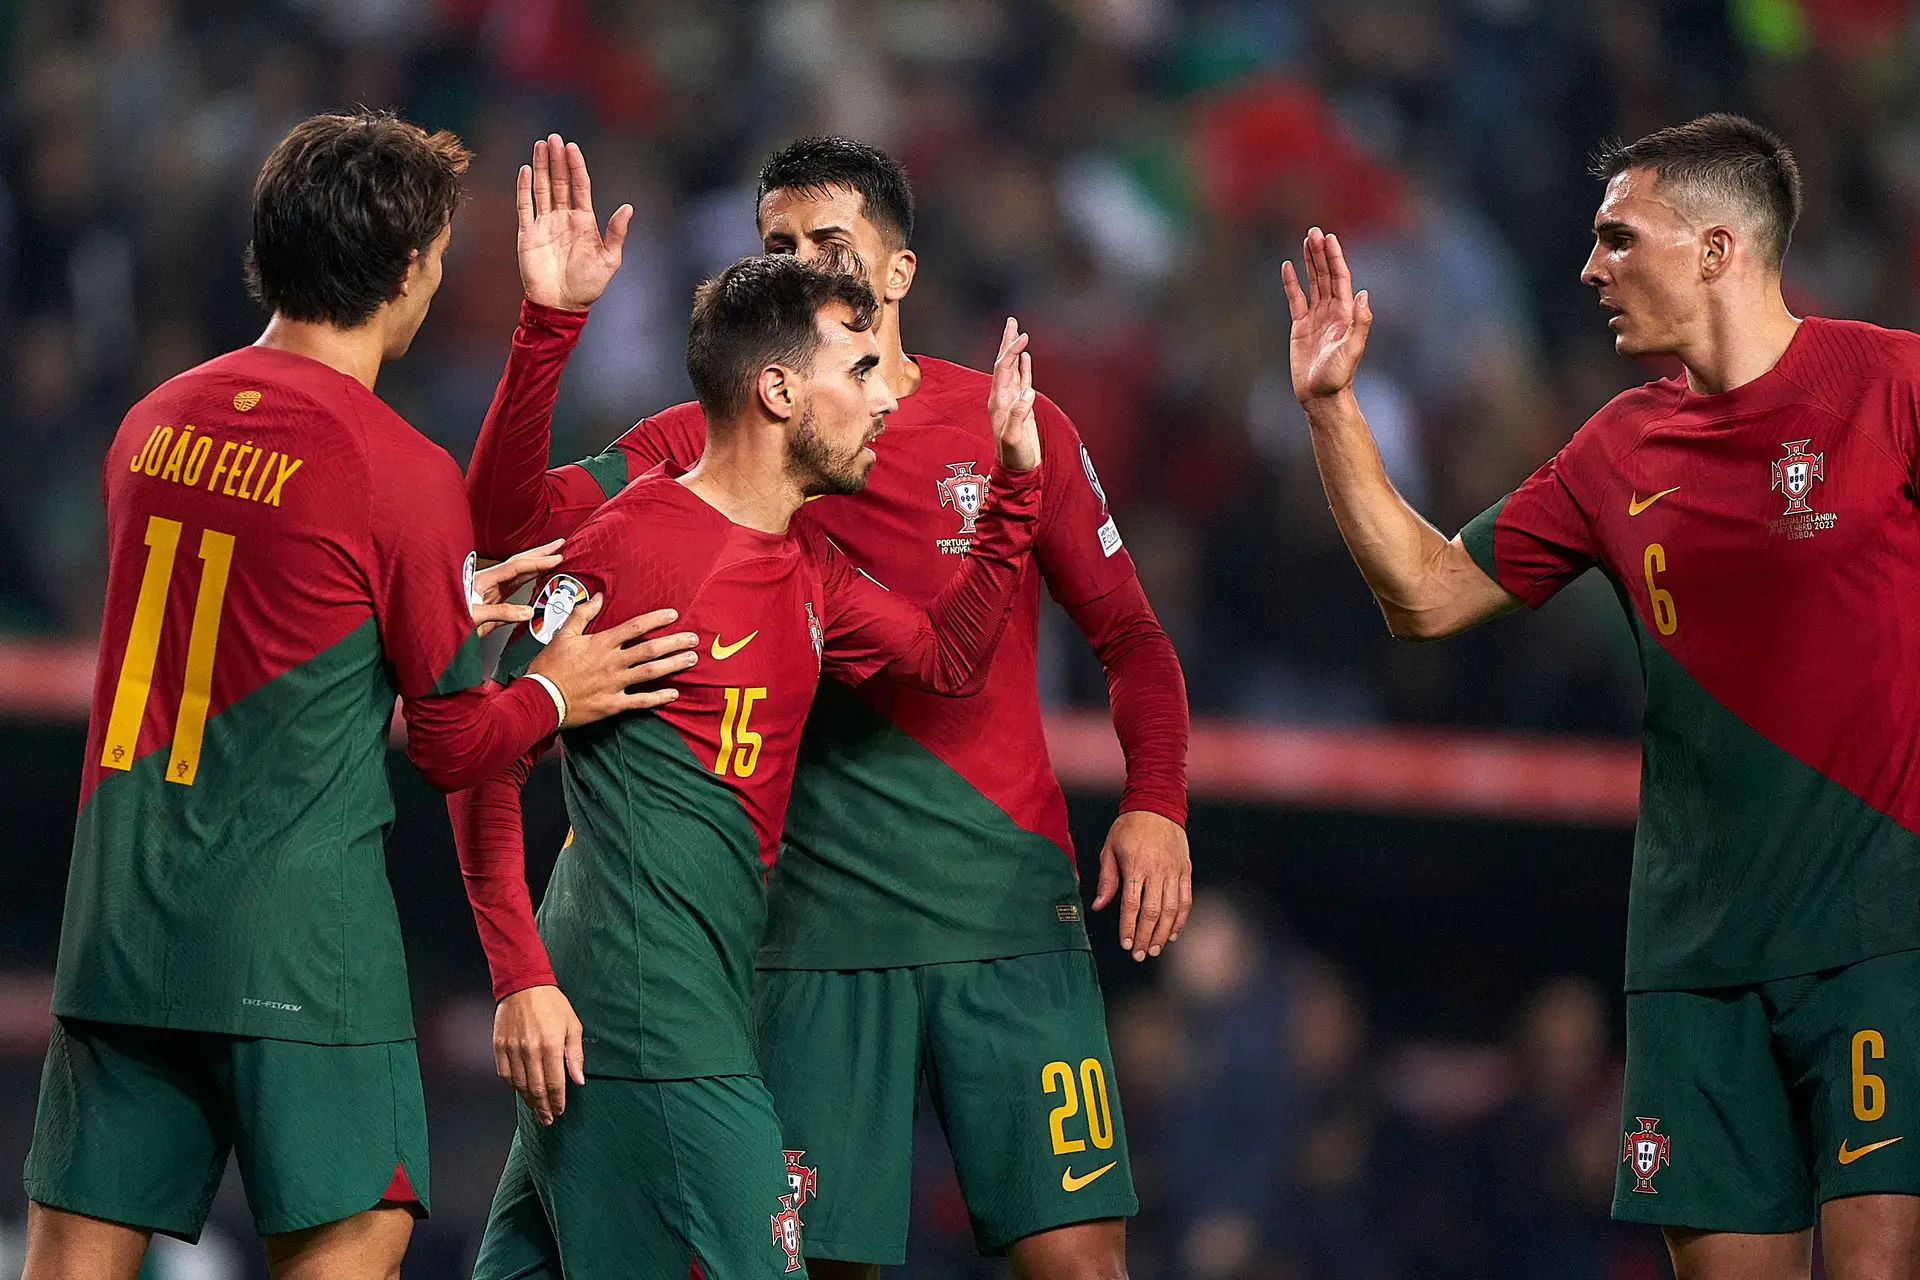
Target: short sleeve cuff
[1477,537]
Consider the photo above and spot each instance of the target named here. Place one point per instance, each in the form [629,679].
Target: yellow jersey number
[143,645]
[1058,1077]
[1665,618]
[1869,1090]
[739,745]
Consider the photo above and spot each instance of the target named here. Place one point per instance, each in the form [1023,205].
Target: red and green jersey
[1765,544]
[921,829]
[656,904]
[285,555]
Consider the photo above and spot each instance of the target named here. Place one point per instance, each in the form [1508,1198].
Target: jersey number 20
[143,645]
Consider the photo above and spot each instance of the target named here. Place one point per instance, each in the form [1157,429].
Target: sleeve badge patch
[554,605]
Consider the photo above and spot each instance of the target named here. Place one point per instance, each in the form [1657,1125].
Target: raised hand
[1330,324]
[564,261]
[1010,402]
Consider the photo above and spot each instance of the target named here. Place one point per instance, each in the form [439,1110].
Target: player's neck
[744,476]
[357,353]
[1740,343]
[901,373]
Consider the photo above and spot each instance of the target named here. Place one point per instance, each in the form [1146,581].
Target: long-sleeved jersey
[285,554]
[921,829]
[656,904]
[1765,544]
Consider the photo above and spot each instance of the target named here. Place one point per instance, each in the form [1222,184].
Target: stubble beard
[822,473]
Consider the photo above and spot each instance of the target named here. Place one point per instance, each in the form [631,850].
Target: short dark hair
[1721,156]
[757,312]
[814,165]
[339,208]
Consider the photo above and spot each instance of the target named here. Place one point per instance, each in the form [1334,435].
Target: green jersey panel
[961,882]
[654,906]
[1785,872]
[259,906]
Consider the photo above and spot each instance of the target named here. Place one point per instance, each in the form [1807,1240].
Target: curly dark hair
[757,312]
[339,208]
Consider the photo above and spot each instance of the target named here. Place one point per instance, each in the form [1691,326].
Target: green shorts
[1015,1057]
[638,1178]
[135,1124]
[1748,1107]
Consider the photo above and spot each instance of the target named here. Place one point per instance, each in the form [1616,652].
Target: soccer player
[671,1155]
[1756,516]
[925,917]
[285,555]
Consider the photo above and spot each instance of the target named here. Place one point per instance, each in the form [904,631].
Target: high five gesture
[1329,323]
[564,261]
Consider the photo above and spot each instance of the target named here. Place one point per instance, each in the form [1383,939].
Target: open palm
[1330,324]
[564,261]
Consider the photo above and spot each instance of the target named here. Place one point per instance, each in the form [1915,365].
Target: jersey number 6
[143,646]
[1664,616]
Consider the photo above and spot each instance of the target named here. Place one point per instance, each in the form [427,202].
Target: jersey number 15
[143,646]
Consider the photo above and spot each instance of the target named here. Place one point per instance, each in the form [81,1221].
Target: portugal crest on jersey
[1645,1148]
[964,491]
[804,1179]
[1794,475]
[786,1232]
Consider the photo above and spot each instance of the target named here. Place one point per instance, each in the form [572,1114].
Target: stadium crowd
[1126,176]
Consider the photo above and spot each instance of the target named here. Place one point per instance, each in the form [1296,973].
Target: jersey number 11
[143,646]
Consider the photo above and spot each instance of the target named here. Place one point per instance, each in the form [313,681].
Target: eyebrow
[818,232]
[865,362]
[1612,224]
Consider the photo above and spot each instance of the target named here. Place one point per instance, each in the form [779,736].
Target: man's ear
[776,389]
[414,266]
[1716,252]
[899,279]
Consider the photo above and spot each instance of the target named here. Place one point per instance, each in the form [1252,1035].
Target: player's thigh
[1871,1237]
[366,1246]
[72,1246]
[639,1178]
[1711,1138]
[1022,1075]
[518,1243]
[1852,1036]
[840,1052]
[129,1127]
[1078,1251]
[323,1132]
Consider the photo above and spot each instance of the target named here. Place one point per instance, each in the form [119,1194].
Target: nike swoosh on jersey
[1635,506]
[1070,1183]
[1848,1157]
[722,652]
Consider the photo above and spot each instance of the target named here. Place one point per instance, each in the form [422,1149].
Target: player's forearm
[966,620]
[1403,558]
[487,835]
[515,499]
[1148,694]
[460,739]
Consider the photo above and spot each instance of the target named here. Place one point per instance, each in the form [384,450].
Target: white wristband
[553,691]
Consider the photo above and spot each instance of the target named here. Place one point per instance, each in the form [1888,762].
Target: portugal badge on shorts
[804,1179]
[786,1231]
[1646,1150]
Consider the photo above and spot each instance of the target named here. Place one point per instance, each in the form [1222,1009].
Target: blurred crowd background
[1125,176]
